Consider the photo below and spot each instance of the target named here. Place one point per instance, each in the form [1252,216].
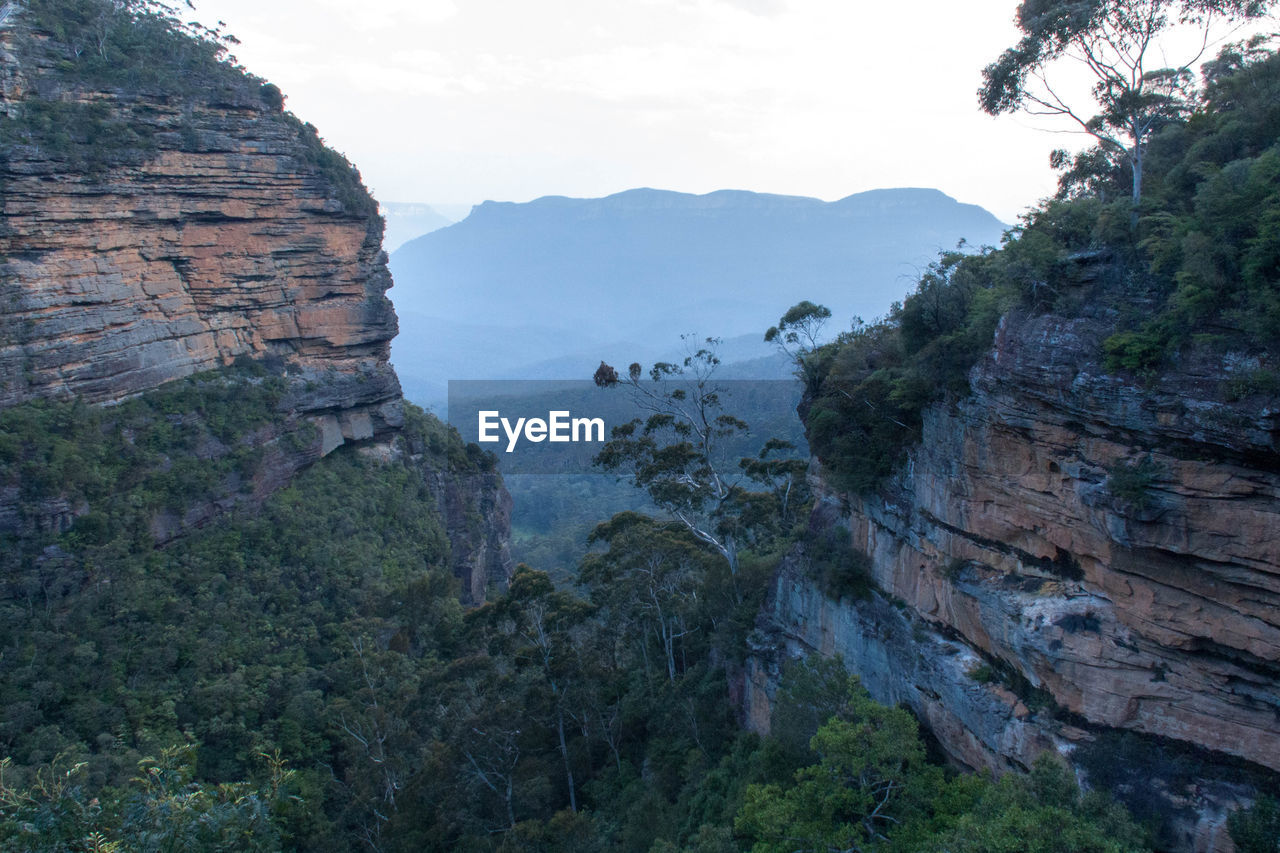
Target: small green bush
[1257,828]
[1133,483]
[841,571]
[982,673]
[1137,351]
[955,569]
[1260,381]
[341,177]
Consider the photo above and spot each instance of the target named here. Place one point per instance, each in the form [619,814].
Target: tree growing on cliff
[798,334]
[1117,41]
[1257,828]
[871,788]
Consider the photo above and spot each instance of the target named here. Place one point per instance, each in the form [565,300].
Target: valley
[892,527]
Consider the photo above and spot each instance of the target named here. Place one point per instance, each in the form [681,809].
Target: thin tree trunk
[669,642]
[613,744]
[564,753]
[644,654]
[1135,163]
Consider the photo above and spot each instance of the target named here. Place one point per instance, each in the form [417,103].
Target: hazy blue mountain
[623,277]
[406,221]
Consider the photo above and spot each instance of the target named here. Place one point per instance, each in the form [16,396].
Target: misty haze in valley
[548,288]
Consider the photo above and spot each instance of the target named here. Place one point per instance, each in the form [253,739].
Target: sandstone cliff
[1027,602]
[219,239]
[153,231]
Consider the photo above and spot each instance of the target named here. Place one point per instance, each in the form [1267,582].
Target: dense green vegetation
[872,788]
[161,809]
[189,663]
[250,635]
[1209,237]
[299,675]
[1140,83]
[97,45]
[1200,268]
[1257,828]
[90,137]
[553,515]
[323,627]
[135,45]
[162,451]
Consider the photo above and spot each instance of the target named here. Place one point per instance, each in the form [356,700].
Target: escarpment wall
[1003,541]
[182,225]
[219,239]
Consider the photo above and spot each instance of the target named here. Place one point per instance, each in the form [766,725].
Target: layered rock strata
[1107,546]
[218,240]
[197,224]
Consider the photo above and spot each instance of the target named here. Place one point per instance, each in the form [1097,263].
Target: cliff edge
[1054,475]
[163,215]
[1023,605]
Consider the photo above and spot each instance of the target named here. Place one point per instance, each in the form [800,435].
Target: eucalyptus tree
[674,453]
[1135,91]
[799,333]
[646,585]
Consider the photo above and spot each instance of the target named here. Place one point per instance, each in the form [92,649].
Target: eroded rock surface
[222,240]
[1003,540]
[224,230]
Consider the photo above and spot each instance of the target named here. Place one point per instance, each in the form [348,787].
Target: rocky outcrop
[1102,554]
[220,238]
[476,510]
[184,225]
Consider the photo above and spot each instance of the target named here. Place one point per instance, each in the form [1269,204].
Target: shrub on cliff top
[1202,266]
[343,178]
[134,44]
[1209,236]
[144,46]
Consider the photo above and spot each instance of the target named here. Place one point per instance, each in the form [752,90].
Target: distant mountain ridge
[648,265]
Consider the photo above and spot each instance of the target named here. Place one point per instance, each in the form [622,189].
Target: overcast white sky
[458,101]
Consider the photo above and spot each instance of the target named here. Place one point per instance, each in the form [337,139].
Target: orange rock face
[221,241]
[1156,614]
[226,231]
[1006,538]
